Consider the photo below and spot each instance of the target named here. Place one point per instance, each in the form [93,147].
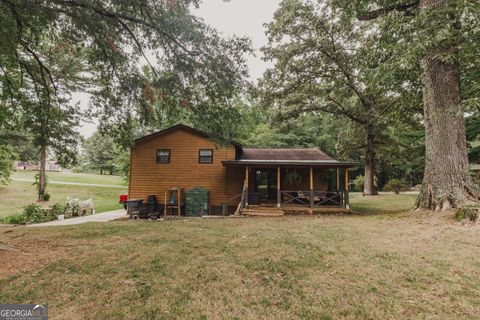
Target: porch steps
[263,211]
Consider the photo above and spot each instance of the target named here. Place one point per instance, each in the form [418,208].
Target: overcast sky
[237,17]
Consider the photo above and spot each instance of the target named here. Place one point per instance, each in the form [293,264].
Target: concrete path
[100,217]
[74,183]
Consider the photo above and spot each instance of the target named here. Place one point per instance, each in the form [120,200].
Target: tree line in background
[392,84]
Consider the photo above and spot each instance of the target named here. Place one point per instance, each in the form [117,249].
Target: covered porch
[288,186]
[314,185]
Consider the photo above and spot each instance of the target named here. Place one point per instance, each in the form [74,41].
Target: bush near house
[396,186]
[34,213]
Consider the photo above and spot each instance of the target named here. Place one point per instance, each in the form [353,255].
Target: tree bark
[42,176]
[446,183]
[369,184]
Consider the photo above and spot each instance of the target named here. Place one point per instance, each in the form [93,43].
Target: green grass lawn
[389,204]
[375,265]
[74,177]
[21,193]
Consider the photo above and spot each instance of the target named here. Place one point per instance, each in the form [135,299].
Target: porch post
[347,188]
[279,195]
[246,186]
[338,179]
[311,188]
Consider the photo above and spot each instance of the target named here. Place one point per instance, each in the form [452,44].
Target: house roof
[287,156]
[265,156]
[179,127]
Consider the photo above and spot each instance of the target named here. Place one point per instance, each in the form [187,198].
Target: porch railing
[243,199]
[314,199]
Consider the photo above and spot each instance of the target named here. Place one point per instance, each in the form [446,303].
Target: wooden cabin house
[236,177]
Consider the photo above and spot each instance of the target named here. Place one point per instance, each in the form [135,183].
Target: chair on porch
[306,196]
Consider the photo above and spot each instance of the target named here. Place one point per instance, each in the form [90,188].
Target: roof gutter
[319,163]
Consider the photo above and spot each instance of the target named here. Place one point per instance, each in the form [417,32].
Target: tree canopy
[324,64]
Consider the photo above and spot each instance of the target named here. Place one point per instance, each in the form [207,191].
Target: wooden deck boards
[272,211]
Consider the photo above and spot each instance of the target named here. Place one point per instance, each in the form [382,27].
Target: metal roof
[285,154]
[323,163]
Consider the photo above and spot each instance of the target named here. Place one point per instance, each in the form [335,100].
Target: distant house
[22,165]
[52,166]
[182,157]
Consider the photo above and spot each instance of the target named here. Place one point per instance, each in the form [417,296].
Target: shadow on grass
[382,204]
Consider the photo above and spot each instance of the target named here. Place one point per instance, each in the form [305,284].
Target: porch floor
[270,209]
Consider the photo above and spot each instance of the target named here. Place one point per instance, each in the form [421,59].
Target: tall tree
[439,35]
[101,152]
[327,65]
[52,48]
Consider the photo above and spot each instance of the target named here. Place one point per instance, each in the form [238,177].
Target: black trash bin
[134,207]
[151,204]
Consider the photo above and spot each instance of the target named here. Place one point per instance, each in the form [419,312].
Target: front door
[265,183]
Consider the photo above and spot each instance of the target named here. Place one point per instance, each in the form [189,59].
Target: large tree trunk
[42,182]
[446,182]
[369,185]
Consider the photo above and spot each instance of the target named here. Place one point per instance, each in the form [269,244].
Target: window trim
[169,156]
[200,156]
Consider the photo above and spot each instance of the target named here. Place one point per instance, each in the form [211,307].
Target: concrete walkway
[100,217]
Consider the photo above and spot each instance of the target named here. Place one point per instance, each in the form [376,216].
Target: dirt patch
[20,254]
[441,217]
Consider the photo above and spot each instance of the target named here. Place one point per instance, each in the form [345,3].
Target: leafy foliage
[52,49]
[359,182]
[396,186]
[7,155]
[101,151]
[467,212]
[324,64]
[36,181]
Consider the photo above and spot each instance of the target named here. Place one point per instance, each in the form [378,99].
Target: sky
[236,17]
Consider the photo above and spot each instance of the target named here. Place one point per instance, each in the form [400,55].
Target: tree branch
[114,15]
[402,7]
[138,44]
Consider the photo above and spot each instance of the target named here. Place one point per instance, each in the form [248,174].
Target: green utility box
[197,201]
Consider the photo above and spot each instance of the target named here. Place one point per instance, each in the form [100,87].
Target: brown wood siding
[149,178]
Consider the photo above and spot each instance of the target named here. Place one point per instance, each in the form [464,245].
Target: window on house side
[205,156]
[163,156]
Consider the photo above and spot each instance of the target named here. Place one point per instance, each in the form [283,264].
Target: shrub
[359,182]
[72,207]
[46,197]
[34,213]
[75,207]
[467,212]
[396,186]
[58,209]
[18,218]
